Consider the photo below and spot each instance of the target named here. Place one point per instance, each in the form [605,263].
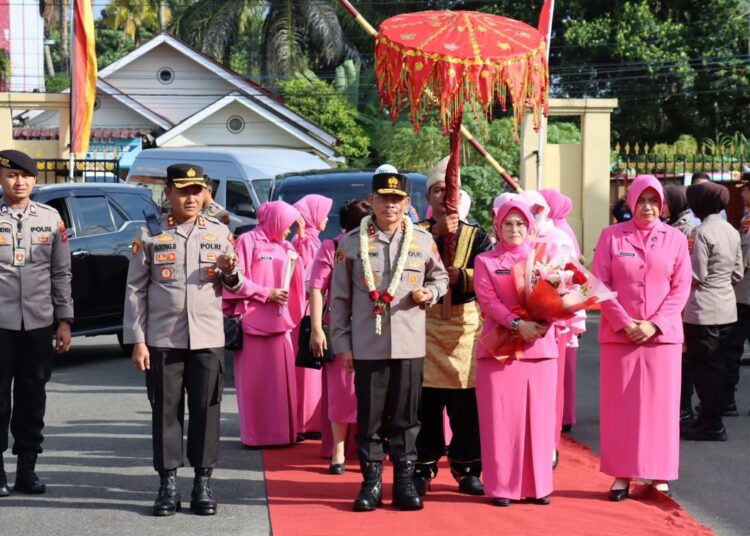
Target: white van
[240,176]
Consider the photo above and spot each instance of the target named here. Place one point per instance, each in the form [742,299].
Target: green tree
[317,101]
[111,45]
[292,35]
[138,19]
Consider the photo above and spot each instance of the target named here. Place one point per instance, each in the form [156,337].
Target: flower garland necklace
[381,302]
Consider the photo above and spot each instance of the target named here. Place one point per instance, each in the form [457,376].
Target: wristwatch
[514,324]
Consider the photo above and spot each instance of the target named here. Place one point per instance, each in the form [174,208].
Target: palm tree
[132,17]
[53,12]
[292,34]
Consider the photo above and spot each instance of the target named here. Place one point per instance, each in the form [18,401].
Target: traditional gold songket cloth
[451,343]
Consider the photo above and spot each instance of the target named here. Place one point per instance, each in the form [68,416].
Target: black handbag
[305,357]
[232,334]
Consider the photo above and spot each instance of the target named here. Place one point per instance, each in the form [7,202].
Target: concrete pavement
[97,460]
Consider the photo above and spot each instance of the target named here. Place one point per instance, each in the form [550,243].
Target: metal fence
[57,170]
[723,163]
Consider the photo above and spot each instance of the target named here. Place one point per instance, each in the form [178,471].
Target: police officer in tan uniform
[385,273]
[35,292]
[173,318]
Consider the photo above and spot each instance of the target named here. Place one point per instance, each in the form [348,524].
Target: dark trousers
[26,359]
[709,349]
[740,334]
[464,452]
[174,372]
[388,393]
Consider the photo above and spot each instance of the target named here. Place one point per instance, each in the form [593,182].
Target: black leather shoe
[4,490]
[617,495]
[405,495]
[371,493]
[499,501]
[567,427]
[731,411]
[686,414]
[26,479]
[202,502]
[471,485]
[542,501]
[168,500]
[336,469]
[698,431]
[421,484]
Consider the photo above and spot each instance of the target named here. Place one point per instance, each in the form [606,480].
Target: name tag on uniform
[266,258]
[19,257]
[502,272]
[415,253]
[626,254]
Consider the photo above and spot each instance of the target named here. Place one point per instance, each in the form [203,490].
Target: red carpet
[305,500]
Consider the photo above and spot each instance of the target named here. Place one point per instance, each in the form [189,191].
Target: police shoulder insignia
[63,231]
[164,237]
[211,237]
[340,256]
[201,221]
[135,247]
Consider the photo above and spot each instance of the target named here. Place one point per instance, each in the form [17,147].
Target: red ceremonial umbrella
[445,58]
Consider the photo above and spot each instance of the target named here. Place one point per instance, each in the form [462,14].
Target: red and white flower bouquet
[552,286]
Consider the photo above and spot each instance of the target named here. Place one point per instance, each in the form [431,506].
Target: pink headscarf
[640,184]
[502,199]
[560,206]
[540,209]
[314,209]
[275,217]
[516,252]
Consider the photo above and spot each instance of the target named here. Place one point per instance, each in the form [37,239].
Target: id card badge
[19,257]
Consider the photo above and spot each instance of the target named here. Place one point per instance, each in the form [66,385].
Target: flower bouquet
[552,286]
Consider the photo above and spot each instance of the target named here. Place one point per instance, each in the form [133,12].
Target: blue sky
[97,6]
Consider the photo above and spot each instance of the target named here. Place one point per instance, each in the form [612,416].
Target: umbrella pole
[494,164]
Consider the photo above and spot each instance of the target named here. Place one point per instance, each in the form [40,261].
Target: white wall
[192,89]
[258,131]
[26,46]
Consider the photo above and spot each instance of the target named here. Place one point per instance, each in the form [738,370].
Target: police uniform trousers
[26,359]
[175,372]
[708,349]
[464,452]
[388,392]
[740,334]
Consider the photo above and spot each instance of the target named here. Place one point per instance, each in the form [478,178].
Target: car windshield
[262,189]
[341,192]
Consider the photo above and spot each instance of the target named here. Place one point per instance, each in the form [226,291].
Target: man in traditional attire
[452,329]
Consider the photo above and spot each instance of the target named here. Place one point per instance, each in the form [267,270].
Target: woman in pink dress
[264,369]
[314,209]
[560,206]
[338,384]
[647,263]
[515,397]
[547,231]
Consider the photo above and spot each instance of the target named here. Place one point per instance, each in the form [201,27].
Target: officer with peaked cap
[173,318]
[385,273]
[35,292]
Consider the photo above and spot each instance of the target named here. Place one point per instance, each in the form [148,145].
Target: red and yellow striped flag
[84,75]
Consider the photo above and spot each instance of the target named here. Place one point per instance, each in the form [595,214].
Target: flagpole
[71,124]
[543,125]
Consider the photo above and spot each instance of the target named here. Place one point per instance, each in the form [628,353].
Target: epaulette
[45,207]
[152,224]
[212,219]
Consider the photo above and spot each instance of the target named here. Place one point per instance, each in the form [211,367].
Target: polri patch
[339,256]
[63,231]
[166,273]
[135,247]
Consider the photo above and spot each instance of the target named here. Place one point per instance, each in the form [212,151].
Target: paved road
[100,482]
[97,460]
[714,480]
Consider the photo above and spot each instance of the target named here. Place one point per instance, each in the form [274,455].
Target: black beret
[12,159]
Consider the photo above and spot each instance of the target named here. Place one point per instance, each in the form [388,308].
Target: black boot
[371,493]
[405,495]
[26,479]
[422,475]
[4,491]
[201,499]
[168,500]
